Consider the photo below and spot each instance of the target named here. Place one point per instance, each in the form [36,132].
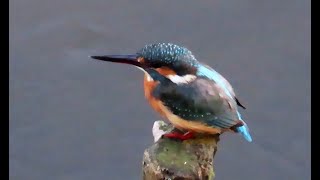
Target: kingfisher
[191,95]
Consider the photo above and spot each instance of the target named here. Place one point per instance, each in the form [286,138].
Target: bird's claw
[176,135]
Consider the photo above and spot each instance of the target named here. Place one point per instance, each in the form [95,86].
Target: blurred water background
[72,118]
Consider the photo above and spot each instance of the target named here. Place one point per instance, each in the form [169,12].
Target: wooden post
[169,159]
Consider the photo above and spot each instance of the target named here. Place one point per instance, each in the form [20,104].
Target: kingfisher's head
[160,56]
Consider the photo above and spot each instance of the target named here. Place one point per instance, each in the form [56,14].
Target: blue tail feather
[245,133]
[244,130]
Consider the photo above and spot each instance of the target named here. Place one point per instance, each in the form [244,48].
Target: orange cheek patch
[165,71]
[141,60]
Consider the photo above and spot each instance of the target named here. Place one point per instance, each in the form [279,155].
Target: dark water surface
[72,118]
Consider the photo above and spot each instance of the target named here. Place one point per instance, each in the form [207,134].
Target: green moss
[211,174]
[189,159]
[175,155]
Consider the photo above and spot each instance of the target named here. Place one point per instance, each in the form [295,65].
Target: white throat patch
[182,79]
[149,78]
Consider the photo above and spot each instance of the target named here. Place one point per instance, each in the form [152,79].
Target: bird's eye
[157,65]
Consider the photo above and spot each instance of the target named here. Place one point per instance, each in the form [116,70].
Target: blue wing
[201,100]
[208,72]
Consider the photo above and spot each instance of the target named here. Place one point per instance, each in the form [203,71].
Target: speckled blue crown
[167,53]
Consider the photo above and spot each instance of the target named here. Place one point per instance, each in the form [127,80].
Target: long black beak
[125,59]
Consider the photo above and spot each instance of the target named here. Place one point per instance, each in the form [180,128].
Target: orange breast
[149,85]
[178,122]
[148,88]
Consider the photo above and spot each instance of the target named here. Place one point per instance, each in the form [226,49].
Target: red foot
[175,135]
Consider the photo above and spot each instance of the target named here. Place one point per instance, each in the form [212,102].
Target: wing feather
[201,100]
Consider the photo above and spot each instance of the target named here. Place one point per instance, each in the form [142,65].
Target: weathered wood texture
[169,159]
